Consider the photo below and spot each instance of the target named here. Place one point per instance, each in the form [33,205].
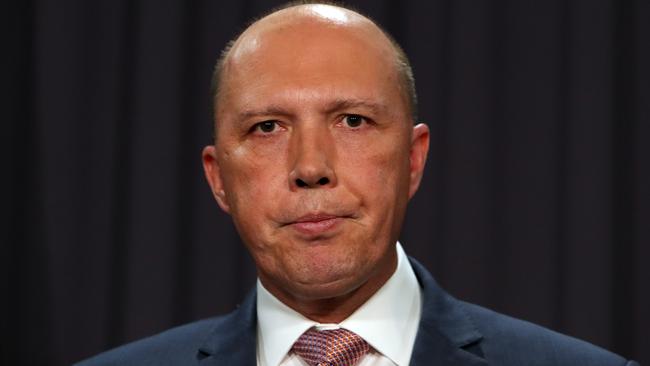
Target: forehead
[296,55]
[312,19]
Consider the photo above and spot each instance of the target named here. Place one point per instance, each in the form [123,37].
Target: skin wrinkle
[371,170]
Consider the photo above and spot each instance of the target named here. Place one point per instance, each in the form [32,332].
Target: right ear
[213,175]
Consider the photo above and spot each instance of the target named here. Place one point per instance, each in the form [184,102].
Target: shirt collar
[388,321]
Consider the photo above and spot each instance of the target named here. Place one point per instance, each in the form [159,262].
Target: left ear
[418,155]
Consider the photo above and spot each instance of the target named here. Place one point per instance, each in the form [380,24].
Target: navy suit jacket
[451,332]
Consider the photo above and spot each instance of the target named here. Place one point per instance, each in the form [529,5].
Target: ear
[213,175]
[418,155]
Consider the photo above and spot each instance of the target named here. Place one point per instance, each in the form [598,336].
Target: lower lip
[317,227]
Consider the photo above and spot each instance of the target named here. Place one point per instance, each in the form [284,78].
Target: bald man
[316,155]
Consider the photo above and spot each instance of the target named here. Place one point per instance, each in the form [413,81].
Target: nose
[313,158]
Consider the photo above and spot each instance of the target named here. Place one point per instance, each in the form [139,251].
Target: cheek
[250,178]
[379,175]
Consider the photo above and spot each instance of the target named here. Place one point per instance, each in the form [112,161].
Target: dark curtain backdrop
[535,202]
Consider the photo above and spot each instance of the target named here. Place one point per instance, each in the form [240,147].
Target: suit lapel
[446,335]
[233,339]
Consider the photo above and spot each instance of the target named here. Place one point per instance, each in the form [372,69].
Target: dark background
[535,202]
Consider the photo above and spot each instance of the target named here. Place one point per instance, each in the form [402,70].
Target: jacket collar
[446,334]
[234,337]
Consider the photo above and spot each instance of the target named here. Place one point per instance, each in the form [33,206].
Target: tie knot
[336,347]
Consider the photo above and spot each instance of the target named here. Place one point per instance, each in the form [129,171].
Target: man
[316,156]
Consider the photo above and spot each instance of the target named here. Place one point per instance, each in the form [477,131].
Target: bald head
[311,26]
[300,19]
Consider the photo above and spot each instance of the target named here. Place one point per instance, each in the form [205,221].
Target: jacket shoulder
[176,346]
[510,341]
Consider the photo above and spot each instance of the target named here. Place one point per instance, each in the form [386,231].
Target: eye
[265,127]
[353,120]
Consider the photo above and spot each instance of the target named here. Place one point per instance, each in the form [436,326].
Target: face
[316,156]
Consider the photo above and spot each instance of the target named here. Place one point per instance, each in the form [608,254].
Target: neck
[334,309]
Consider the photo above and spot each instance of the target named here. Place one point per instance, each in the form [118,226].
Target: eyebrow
[342,104]
[274,110]
[334,106]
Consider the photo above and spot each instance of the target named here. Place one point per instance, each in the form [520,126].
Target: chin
[325,280]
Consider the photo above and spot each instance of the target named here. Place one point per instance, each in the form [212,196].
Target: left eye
[266,126]
[353,120]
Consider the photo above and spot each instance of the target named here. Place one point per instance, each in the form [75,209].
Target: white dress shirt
[388,321]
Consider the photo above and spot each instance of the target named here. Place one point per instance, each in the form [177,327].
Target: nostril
[323,181]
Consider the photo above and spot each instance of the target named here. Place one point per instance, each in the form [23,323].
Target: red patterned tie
[336,347]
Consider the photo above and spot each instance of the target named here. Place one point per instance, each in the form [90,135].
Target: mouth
[317,224]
